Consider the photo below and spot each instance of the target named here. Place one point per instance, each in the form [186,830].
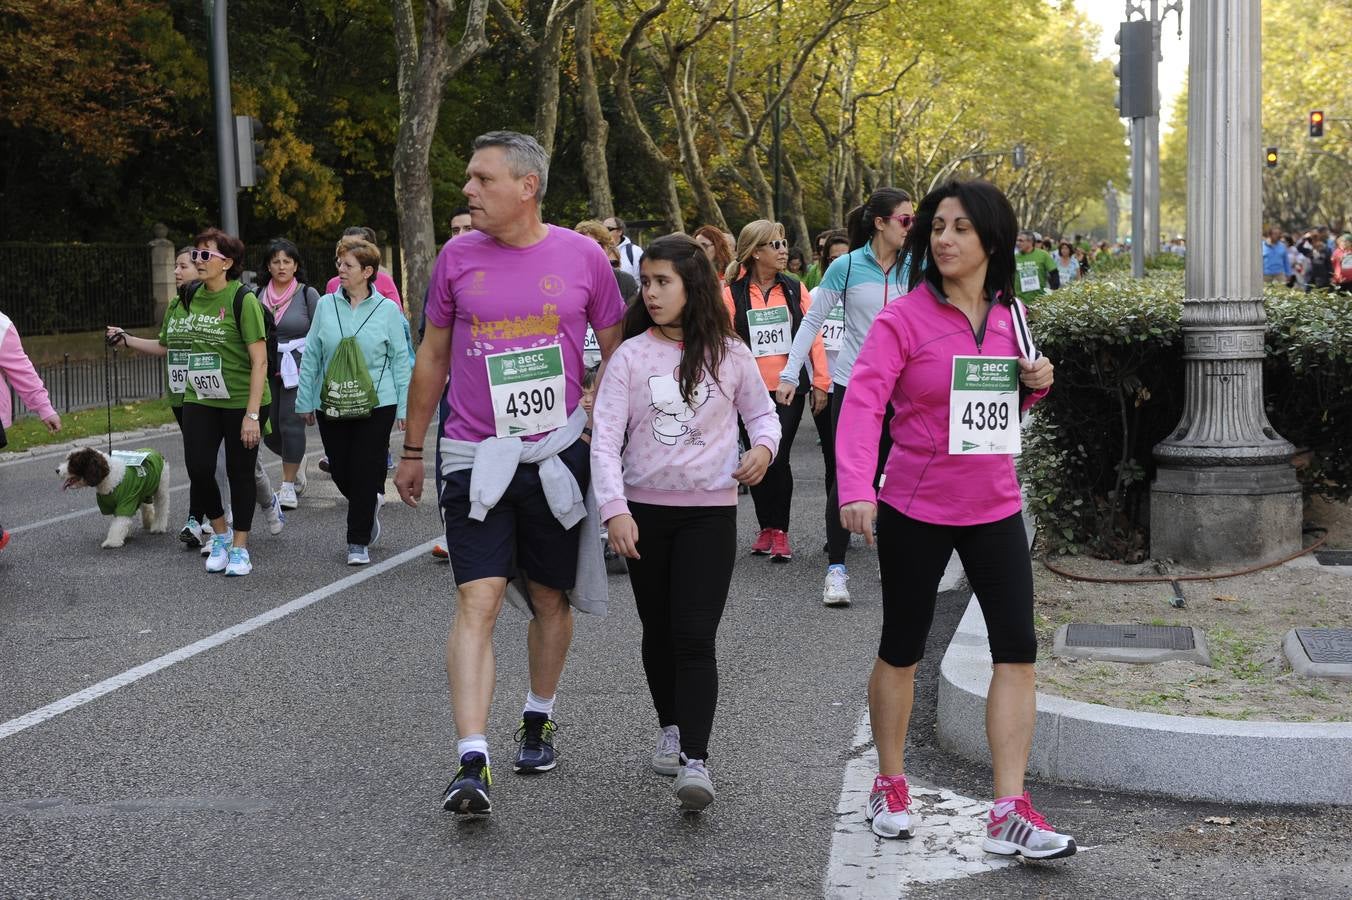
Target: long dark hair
[705,324]
[881,202]
[995,223]
[281,245]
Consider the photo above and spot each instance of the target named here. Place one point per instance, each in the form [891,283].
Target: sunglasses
[614,228]
[776,244]
[204,255]
[905,219]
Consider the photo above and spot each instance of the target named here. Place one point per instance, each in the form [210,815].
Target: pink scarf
[278,303]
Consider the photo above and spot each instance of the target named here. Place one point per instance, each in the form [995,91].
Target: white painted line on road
[108,685]
[65,517]
[947,842]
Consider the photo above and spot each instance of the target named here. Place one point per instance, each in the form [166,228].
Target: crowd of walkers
[1308,261]
[592,396]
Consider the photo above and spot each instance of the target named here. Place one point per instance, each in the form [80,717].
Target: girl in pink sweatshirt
[955,359]
[674,390]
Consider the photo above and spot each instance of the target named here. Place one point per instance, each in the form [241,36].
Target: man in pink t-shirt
[507,311]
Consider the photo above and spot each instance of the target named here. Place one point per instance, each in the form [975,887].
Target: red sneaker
[4,538]
[779,547]
[763,543]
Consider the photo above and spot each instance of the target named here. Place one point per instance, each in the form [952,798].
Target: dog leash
[108,391]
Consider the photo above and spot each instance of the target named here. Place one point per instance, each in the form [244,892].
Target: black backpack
[269,328]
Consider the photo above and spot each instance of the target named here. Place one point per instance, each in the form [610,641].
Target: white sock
[539,704]
[474,743]
[288,484]
[1004,806]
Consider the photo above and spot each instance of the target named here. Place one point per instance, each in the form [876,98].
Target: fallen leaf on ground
[1219,820]
[1227,598]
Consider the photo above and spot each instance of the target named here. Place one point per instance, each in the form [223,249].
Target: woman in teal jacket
[357,446]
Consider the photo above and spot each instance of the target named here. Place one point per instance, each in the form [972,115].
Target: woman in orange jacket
[767,307]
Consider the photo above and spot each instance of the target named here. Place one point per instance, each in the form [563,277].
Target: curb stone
[93,440]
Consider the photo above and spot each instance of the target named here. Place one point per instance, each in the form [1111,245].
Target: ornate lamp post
[1225,490]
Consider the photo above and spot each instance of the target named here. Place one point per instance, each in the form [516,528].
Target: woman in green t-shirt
[225,398]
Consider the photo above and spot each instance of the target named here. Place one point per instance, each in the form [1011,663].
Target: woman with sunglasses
[863,281]
[173,343]
[768,308]
[954,356]
[226,398]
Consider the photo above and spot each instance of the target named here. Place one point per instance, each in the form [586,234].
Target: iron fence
[60,288]
[83,384]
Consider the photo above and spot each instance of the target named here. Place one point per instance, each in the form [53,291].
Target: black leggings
[837,538]
[681,585]
[356,449]
[773,497]
[826,432]
[204,427]
[911,560]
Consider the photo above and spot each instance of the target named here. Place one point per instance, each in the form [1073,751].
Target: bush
[1117,344]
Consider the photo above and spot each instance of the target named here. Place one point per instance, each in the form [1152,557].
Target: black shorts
[520,533]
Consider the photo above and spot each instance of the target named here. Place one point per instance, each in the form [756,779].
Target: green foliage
[29,432]
[1087,464]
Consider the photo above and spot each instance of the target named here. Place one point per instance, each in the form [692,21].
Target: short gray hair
[524,155]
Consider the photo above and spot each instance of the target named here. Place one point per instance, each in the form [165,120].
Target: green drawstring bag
[348,391]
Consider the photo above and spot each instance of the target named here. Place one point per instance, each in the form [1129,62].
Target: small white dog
[124,482]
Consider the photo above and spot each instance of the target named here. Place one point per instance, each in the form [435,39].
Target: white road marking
[947,842]
[108,685]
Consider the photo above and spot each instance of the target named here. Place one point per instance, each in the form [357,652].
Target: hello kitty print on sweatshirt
[680,452]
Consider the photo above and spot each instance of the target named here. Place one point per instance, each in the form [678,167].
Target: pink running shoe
[1023,832]
[761,546]
[889,807]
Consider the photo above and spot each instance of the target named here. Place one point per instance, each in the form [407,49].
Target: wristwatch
[253,416]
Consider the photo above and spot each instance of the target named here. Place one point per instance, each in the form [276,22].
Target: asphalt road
[306,757]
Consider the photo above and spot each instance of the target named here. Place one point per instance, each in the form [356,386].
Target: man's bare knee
[548,602]
[480,602]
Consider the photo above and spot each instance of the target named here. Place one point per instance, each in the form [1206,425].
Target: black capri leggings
[911,559]
[204,427]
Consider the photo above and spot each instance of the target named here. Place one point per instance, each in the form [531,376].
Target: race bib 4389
[983,407]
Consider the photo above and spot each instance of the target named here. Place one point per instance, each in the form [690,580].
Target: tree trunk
[594,166]
[547,67]
[691,164]
[424,67]
[642,142]
[797,215]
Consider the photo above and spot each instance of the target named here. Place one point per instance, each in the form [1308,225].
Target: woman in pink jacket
[956,361]
[16,370]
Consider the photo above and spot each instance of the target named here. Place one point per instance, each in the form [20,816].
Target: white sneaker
[694,787]
[835,593]
[357,555]
[239,563]
[276,518]
[667,754]
[889,808]
[1022,831]
[301,480]
[286,495]
[204,534]
[219,554]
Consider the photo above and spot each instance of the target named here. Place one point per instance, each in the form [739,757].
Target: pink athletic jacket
[907,359]
[16,370]
[678,453]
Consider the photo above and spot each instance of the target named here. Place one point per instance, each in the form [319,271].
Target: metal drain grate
[1334,557]
[1327,645]
[1136,637]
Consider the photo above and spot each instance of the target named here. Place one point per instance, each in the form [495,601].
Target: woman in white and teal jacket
[357,447]
[863,281]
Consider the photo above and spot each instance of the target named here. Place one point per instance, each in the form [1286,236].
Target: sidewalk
[1188,757]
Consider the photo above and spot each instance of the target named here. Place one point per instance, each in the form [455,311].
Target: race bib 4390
[983,407]
[528,389]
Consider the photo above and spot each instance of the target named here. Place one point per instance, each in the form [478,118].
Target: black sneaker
[536,740]
[468,791]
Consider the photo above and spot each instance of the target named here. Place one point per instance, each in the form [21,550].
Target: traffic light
[1136,70]
[1316,123]
[1271,157]
[249,150]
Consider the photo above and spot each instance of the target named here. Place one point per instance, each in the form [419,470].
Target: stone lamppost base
[1225,515]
